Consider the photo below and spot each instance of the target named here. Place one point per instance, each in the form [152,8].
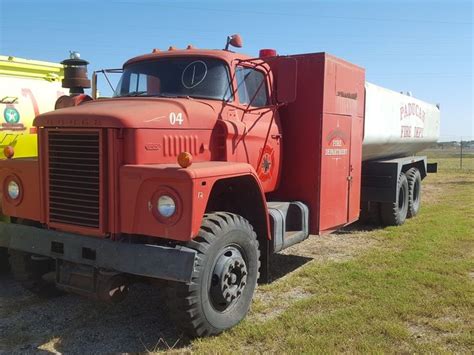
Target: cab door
[260,143]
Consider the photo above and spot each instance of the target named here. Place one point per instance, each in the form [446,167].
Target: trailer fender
[380,177]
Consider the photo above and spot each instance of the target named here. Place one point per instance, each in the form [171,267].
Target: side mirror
[234,41]
[286,80]
[111,81]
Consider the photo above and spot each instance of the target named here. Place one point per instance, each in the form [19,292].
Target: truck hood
[136,112]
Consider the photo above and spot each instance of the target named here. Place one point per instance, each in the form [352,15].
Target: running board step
[288,222]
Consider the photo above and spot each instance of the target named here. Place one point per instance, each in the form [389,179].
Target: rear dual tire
[414,192]
[408,201]
[395,213]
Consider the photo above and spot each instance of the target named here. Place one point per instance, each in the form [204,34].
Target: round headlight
[166,206]
[13,190]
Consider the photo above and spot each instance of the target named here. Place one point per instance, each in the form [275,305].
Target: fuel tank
[397,125]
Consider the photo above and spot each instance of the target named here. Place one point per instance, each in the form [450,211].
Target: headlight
[13,190]
[166,206]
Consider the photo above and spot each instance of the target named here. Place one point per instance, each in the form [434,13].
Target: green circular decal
[11,115]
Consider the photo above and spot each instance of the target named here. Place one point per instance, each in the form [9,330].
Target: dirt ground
[73,324]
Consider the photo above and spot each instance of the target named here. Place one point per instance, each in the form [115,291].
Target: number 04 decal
[176,118]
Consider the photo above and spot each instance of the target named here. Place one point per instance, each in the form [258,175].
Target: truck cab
[126,184]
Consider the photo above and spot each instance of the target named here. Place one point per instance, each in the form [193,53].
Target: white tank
[397,125]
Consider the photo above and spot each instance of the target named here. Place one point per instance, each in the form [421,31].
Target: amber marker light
[185,159]
[8,151]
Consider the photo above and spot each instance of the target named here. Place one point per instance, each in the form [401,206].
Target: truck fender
[242,195]
[199,188]
[25,172]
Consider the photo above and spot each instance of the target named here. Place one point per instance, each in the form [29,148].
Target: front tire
[224,279]
[395,213]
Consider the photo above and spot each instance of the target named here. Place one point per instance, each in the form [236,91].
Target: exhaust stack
[75,74]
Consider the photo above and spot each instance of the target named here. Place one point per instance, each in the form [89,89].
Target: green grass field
[411,291]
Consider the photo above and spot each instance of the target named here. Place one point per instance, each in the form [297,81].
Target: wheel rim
[229,278]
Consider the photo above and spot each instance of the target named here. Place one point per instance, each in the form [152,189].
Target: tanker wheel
[224,279]
[414,192]
[4,265]
[31,270]
[395,213]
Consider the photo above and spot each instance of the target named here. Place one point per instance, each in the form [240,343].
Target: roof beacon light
[264,53]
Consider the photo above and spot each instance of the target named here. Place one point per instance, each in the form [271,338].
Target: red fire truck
[203,165]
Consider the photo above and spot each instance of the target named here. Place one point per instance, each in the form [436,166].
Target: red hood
[146,112]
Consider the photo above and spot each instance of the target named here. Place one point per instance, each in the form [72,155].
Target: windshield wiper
[136,93]
[173,96]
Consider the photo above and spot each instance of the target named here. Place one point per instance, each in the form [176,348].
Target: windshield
[176,77]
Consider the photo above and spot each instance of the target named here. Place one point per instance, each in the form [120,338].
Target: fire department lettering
[337,144]
[412,109]
[335,151]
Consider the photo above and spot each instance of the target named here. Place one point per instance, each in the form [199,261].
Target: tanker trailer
[396,127]
[27,88]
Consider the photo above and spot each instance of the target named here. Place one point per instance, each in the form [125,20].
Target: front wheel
[224,279]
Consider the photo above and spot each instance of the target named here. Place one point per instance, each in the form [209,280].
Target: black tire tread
[413,175]
[389,212]
[182,299]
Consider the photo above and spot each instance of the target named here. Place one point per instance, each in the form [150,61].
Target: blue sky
[419,46]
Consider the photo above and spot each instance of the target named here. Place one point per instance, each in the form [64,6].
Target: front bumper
[169,263]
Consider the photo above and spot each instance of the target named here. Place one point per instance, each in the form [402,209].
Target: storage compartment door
[335,171]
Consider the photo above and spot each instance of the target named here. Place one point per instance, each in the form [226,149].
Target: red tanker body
[202,165]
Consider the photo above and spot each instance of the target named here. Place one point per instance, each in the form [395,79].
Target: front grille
[74,178]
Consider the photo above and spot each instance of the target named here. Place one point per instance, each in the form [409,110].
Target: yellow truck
[27,88]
